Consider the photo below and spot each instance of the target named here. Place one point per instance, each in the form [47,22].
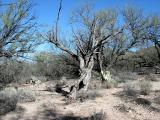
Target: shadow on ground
[51,113]
[48,113]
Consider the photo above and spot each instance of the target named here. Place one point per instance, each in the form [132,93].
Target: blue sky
[46,11]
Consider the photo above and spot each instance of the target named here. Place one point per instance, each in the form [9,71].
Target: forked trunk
[86,66]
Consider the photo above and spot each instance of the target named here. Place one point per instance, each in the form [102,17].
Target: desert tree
[153,33]
[144,28]
[133,36]
[17,29]
[96,30]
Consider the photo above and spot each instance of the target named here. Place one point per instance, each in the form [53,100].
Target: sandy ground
[49,105]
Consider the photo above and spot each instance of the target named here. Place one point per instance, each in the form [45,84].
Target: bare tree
[130,38]
[144,28]
[17,29]
[154,33]
[96,31]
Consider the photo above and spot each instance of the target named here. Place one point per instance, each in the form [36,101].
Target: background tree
[154,33]
[132,37]
[17,29]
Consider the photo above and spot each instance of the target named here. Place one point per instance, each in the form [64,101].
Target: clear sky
[46,10]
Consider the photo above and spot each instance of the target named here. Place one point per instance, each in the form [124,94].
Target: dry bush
[51,88]
[143,101]
[14,71]
[157,100]
[145,87]
[91,95]
[98,116]
[110,84]
[141,87]
[25,95]
[131,89]
[54,66]
[123,108]
[95,84]
[59,85]
[96,75]
[126,76]
[153,77]
[8,100]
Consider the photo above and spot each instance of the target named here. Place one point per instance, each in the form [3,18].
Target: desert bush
[110,84]
[55,66]
[95,84]
[51,88]
[157,100]
[131,89]
[123,108]
[59,85]
[34,80]
[153,77]
[14,71]
[25,95]
[8,100]
[126,76]
[98,116]
[96,75]
[145,87]
[91,95]
[143,101]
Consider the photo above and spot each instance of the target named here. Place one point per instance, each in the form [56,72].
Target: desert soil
[50,105]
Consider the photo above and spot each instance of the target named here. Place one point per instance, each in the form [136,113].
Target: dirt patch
[50,105]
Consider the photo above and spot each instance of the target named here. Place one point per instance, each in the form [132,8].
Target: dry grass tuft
[25,95]
[98,116]
[8,100]
[145,87]
[131,90]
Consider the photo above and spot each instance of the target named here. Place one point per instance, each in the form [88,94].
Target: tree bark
[158,51]
[86,66]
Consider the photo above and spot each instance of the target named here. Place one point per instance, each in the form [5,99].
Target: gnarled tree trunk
[86,66]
